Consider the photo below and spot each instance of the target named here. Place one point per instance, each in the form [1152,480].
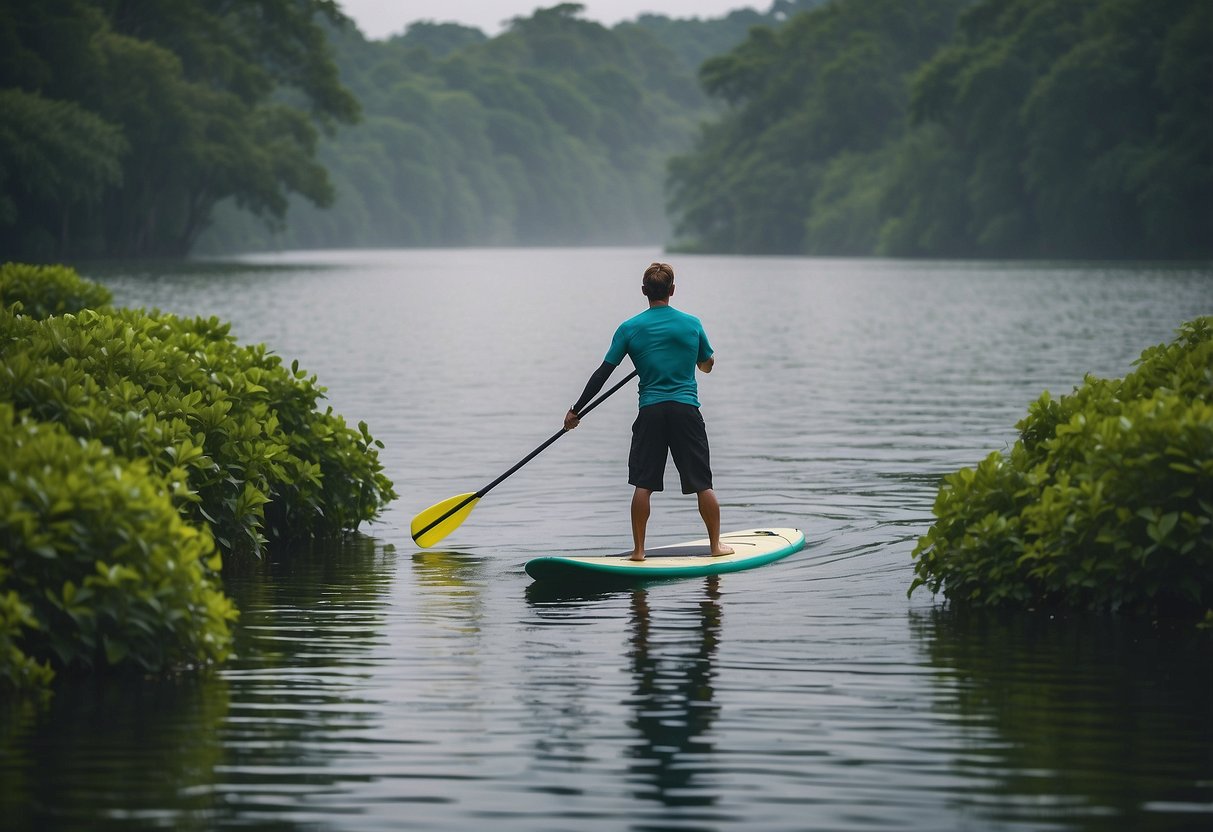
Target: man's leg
[709,510]
[640,520]
[689,447]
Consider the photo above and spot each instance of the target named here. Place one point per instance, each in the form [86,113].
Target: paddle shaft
[528,457]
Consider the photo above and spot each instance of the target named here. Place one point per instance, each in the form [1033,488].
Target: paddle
[440,519]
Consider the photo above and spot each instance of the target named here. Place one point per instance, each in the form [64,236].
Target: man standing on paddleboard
[665,345]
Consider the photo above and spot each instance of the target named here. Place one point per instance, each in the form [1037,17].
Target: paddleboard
[693,559]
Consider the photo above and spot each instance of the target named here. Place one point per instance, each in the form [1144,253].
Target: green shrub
[43,291]
[18,671]
[1104,503]
[97,567]
[238,435]
[131,443]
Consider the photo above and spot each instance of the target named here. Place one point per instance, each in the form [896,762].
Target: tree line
[555,132]
[1001,128]
[124,122]
[137,129]
[953,128]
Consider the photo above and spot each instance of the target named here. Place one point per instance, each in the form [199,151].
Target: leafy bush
[236,434]
[97,567]
[43,291]
[18,670]
[1104,503]
[132,442]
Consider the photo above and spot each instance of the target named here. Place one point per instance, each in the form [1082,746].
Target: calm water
[381,687]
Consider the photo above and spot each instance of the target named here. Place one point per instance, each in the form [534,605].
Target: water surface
[381,687]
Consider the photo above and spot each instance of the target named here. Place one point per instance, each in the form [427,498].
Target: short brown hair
[658,280]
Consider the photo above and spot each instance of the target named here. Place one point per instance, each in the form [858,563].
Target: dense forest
[793,165]
[123,122]
[557,131]
[1002,128]
[987,128]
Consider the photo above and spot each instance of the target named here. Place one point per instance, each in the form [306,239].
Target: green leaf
[116,650]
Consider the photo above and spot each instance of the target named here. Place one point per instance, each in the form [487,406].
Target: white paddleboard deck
[751,548]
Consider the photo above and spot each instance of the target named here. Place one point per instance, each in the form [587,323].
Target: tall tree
[1041,128]
[556,131]
[829,84]
[210,100]
[55,156]
[1076,128]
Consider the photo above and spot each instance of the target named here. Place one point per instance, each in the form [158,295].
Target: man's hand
[571,420]
[706,366]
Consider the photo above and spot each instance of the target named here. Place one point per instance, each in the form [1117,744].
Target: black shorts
[670,428]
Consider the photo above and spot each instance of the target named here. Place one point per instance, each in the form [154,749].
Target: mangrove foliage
[1104,503]
[137,448]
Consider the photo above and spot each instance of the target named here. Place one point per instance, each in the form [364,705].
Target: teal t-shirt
[665,345]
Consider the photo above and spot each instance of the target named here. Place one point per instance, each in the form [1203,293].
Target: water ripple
[378,687]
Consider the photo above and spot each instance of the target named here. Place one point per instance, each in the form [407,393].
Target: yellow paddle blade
[440,519]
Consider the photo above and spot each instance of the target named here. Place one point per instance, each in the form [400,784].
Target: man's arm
[597,380]
[706,366]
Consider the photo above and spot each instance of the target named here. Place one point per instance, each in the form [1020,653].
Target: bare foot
[636,556]
[722,550]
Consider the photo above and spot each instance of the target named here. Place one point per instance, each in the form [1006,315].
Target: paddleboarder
[665,345]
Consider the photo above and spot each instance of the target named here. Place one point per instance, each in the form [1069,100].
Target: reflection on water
[441,690]
[452,570]
[449,596]
[245,745]
[1104,722]
[672,671]
[667,704]
[113,754]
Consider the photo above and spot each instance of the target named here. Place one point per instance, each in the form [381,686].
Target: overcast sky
[381,18]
